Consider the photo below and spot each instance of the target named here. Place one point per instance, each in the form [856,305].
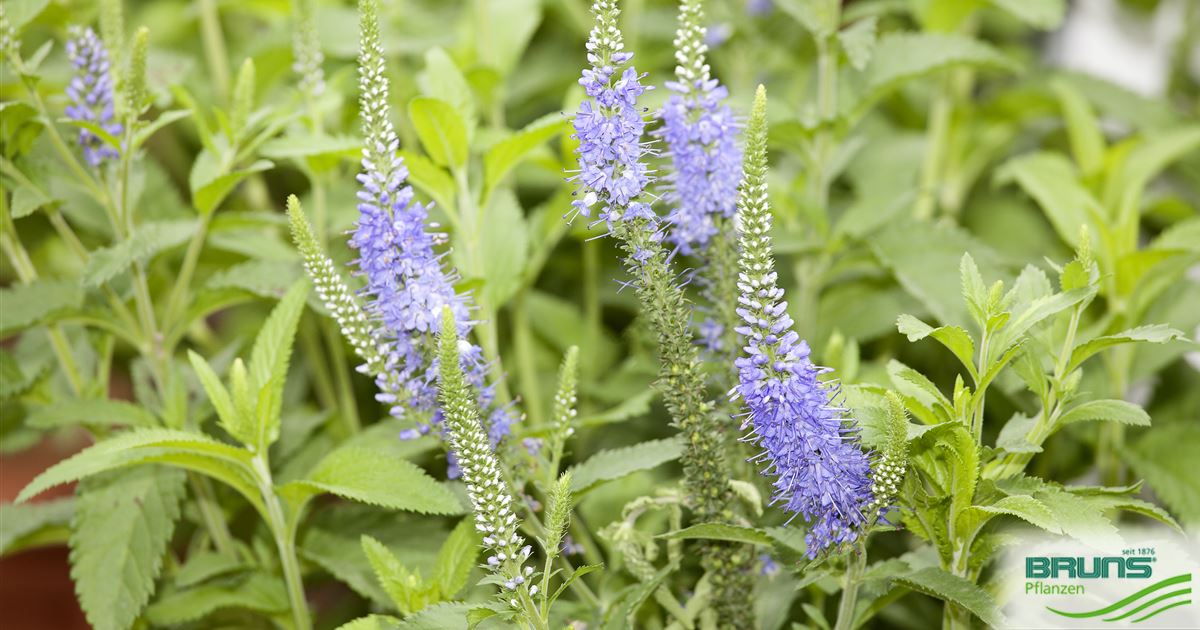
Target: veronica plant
[810,449]
[91,91]
[613,177]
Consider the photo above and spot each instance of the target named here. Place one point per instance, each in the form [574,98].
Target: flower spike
[810,448]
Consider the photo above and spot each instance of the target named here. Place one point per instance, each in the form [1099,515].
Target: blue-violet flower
[91,93]
[811,449]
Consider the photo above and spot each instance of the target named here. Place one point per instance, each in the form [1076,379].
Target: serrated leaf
[22,525]
[1166,459]
[166,118]
[206,565]
[232,418]
[1023,507]
[148,240]
[915,385]
[1107,410]
[378,478]
[444,616]
[258,592]
[192,451]
[207,195]
[269,361]
[264,278]
[91,412]
[616,463]
[123,523]
[408,592]
[720,531]
[456,558]
[955,339]
[951,588]
[508,153]
[441,130]
[858,41]
[1157,333]
[29,304]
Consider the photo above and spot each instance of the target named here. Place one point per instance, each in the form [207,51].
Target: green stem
[26,273]
[938,134]
[284,532]
[214,46]
[211,513]
[591,300]
[341,376]
[527,374]
[850,582]
[311,342]
[184,279]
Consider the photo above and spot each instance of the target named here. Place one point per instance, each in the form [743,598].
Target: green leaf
[166,118]
[504,248]
[951,588]
[406,589]
[24,526]
[306,145]
[258,592]
[720,531]
[21,12]
[26,305]
[206,565]
[148,240]
[820,17]
[955,339]
[511,25]
[108,139]
[1166,459]
[1023,507]
[1107,410]
[925,259]
[1143,164]
[616,463]
[209,194]
[432,179]
[1087,139]
[269,362]
[456,558]
[508,153]
[264,278]
[902,57]
[1053,183]
[1156,333]
[1044,14]
[91,412]
[372,622]
[917,386]
[441,131]
[444,616]
[442,80]
[378,478]
[123,523]
[858,41]
[192,451]
[233,419]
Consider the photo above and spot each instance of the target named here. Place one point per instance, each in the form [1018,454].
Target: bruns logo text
[1054,567]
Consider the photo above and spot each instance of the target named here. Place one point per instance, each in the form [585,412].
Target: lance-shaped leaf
[1157,333]
[616,463]
[954,338]
[376,477]
[269,363]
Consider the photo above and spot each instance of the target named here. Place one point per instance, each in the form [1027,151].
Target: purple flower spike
[91,93]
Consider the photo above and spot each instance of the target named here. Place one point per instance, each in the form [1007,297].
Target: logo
[1177,593]
[1140,579]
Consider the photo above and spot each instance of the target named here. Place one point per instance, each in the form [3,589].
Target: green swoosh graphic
[1178,579]
[1186,591]
[1163,609]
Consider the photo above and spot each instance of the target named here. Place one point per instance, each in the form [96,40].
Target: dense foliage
[512,313]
